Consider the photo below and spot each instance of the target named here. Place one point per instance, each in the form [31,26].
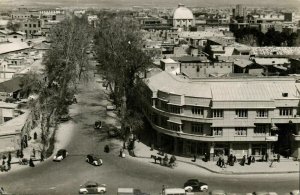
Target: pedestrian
[278,157]
[31,164]
[253,159]
[9,156]
[8,165]
[106,149]
[249,160]
[3,162]
[33,152]
[34,135]
[121,152]
[194,158]
[163,189]
[267,157]
[42,157]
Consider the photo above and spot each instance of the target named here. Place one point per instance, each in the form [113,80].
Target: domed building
[183,17]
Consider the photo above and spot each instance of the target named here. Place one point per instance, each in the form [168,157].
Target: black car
[114,132]
[195,185]
[60,155]
[93,160]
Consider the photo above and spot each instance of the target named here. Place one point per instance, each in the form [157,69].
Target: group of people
[247,160]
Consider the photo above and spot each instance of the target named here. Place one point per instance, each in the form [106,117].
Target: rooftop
[227,89]
[12,47]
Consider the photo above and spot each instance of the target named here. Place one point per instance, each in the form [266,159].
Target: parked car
[217,192]
[114,132]
[94,160]
[60,155]
[194,185]
[64,118]
[295,192]
[91,187]
[110,107]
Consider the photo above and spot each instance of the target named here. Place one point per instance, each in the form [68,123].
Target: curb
[224,172]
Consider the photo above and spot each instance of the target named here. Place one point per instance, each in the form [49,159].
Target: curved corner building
[248,116]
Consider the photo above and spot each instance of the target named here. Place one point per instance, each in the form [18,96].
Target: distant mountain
[148,3]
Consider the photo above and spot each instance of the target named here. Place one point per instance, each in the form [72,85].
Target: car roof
[193,180]
[61,150]
[88,183]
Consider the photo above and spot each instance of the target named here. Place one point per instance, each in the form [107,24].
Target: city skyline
[147,3]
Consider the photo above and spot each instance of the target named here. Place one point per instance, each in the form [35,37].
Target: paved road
[66,176]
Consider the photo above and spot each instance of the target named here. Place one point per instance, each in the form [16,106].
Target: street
[65,177]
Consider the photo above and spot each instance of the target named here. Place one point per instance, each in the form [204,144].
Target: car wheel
[102,192]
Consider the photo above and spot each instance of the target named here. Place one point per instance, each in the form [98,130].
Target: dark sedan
[194,185]
[93,160]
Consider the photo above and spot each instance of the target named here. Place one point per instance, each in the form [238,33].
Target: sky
[149,3]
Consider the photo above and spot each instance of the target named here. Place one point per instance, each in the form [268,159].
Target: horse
[156,158]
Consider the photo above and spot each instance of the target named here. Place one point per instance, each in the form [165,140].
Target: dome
[182,13]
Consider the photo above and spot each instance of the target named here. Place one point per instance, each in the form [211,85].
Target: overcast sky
[154,3]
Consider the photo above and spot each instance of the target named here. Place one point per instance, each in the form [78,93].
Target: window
[217,131]
[25,25]
[197,128]
[241,131]
[217,113]
[164,121]
[285,111]
[262,113]
[241,113]
[164,105]
[175,109]
[260,129]
[34,25]
[174,127]
[29,25]
[259,149]
[197,110]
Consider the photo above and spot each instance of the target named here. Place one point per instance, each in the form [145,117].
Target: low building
[10,134]
[240,116]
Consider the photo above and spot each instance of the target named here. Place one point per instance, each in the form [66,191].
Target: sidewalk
[143,152]
[62,138]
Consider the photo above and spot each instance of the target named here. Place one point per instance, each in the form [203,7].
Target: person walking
[9,156]
[31,164]
[278,157]
[194,158]
[267,157]
[163,189]
[42,157]
[33,152]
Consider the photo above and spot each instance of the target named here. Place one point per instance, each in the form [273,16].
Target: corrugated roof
[169,60]
[271,61]
[242,62]
[14,125]
[11,47]
[220,90]
[11,85]
[167,83]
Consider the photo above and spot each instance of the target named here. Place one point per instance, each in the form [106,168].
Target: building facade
[249,116]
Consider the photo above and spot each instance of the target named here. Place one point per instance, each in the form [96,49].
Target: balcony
[286,119]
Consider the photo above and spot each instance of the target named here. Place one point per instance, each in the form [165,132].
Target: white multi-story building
[240,116]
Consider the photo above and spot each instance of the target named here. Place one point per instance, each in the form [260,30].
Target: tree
[14,26]
[118,43]
[65,63]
